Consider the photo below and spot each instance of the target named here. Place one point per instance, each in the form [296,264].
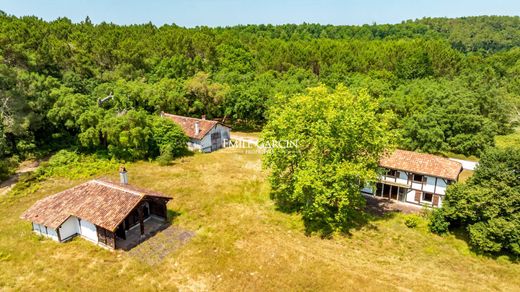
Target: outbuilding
[113,215]
[205,135]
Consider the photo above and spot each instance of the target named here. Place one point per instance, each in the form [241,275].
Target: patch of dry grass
[242,242]
[465,175]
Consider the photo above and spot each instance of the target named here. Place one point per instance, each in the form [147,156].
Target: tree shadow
[462,234]
[375,209]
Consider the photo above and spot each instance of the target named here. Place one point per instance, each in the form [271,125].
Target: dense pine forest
[451,84]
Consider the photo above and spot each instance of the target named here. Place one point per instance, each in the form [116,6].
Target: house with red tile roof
[415,178]
[106,213]
[205,135]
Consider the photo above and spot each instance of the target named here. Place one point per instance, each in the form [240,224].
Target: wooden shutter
[418,196]
[436,200]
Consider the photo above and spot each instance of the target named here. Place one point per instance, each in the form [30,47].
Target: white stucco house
[205,135]
[415,178]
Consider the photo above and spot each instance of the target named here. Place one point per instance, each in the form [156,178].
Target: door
[215,141]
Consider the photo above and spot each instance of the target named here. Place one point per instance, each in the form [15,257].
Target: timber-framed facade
[415,178]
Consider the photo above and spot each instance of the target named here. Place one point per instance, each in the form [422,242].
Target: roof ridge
[185,117]
[117,187]
[430,154]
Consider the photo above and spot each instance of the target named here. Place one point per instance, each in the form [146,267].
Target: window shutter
[418,196]
[436,200]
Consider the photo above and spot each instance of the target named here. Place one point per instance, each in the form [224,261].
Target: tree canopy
[452,83]
[488,205]
[336,139]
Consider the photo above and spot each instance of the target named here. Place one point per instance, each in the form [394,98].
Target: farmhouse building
[109,214]
[205,135]
[415,178]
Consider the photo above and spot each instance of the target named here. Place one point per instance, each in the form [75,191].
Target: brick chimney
[203,117]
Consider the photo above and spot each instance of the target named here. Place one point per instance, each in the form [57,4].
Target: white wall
[402,179]
[205,143]
[45,231]
[432,185]
[88,230]
[410,196]
[69,228]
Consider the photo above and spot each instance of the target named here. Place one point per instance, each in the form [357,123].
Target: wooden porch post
[141,220]
[165,211]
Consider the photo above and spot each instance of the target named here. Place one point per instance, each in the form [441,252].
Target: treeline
[452,83]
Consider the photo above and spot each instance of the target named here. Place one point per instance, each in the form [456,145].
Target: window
[392,173]
[418,178]
[427,197]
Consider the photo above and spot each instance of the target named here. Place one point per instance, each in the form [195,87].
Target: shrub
[487,205]
[8,167]
[437,223]
[166,155]
[411,221]
[71,165]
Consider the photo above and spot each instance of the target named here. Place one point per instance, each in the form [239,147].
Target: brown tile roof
[188,125]
[420,163]
[101,202]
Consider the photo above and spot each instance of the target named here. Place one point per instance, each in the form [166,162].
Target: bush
[71,165]
[487,206]
[8,167]
[411,221]
[166,155]
[437,223]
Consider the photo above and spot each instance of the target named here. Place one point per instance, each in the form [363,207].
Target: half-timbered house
[415,178]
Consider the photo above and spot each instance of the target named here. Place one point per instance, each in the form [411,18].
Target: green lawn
[242,243]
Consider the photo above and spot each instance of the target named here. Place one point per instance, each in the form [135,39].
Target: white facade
[410,188]
[45,231]
[213,140]
[71,227]
[88,230]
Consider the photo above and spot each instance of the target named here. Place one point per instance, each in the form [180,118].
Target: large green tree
[335,140]
[488,205]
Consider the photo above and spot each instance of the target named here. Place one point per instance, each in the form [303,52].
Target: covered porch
[148,218]
[136,235]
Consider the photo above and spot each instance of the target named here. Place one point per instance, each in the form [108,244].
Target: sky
[232,12]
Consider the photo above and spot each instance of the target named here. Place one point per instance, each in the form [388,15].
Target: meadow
[241,242]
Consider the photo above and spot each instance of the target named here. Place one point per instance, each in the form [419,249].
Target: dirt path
[25,167]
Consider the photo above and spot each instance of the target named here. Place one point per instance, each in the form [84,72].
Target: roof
[101,202]
[420,163]
[188,125]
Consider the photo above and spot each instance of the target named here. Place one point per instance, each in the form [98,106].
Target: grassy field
[241,242]
[511,140]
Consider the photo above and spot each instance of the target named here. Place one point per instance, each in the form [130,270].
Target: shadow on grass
[462,234]
[172,215]
[375,209]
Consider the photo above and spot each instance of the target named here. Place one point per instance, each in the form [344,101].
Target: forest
[451,84]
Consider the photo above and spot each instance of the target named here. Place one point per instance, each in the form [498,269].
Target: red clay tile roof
[188,125]
[101,202]
[420,163]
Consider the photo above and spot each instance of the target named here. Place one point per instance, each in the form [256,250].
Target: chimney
[123,175]
[197,129]
[203,117]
